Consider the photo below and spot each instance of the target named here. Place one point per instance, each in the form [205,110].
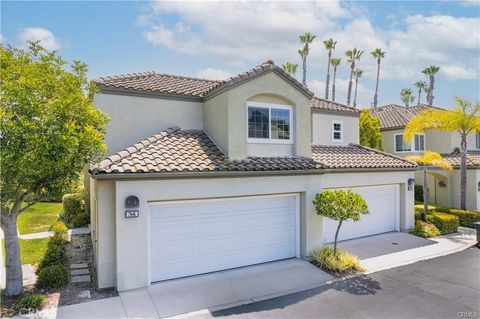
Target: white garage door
[383,205]
[195,237]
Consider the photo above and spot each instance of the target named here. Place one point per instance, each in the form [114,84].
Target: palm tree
[358,74]
[425,160]
[334,62]
[352,56]
[431,71]
[406,96]
[290,68]
[463,119]
[330,46]
[305,39]
[421,86]
[379,55]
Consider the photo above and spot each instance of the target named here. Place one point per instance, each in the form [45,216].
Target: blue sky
[216,40]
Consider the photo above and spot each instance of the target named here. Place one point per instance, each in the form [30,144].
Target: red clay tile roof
[356,156]
[473,159]
[176,150]
[396,116]
[187,86]
[158,83]
[322,104]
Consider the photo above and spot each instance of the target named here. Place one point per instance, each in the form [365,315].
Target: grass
[343,263]
[31,250]
[38,218]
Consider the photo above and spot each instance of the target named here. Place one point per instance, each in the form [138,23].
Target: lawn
[31,250]
[38,218]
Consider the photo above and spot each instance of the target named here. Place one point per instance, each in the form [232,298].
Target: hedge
[74,210]
[466,217]
[53,276]
[445,223]
[425,230]
[53,256]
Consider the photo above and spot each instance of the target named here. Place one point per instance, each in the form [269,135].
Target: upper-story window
[268,123]
[337,131]
[477,140]
[418,143]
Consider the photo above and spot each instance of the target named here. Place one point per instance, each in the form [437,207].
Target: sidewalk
[74,231]
[445,245]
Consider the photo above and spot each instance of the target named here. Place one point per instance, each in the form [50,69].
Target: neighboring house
[226,173]
[444,187]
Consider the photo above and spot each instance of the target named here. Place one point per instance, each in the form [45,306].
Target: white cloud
[247,33]
[46,38]
[3,39]
[213,74]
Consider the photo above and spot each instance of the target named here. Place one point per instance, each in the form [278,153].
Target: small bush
[418,193]
[445,223]
[34,301]
[466,218]
[342,263]
[425,230]
[73,205]
[53,256]
[80,220]
[53,276]
[60,233]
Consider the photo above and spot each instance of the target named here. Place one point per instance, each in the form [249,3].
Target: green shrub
[53,276]
[80,220]
[53,256]
[73,205]
[418,193]
[34,301]
[445,223]
[425,230]
[342,263]
[466,218]
[60,233]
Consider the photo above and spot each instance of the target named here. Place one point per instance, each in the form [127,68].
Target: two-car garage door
[195,237]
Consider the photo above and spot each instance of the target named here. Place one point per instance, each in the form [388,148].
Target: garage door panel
[383,206]
[194,237]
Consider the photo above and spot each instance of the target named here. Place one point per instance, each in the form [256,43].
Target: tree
[379,55]
[431,71]
[340,205]
[352,56]
[358,74]
[329,46]
[290,68]
[406,96]
[370,134]
[463,119]
[49,131]
[305,39]
[335,63]
[421,86]
[425,160]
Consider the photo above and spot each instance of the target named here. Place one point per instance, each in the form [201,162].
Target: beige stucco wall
[267,88]
[132,251]
[215,120]
[472,193]
[322,129]
[133,118]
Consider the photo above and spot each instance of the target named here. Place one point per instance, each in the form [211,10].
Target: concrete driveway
[222,289]
[444,287]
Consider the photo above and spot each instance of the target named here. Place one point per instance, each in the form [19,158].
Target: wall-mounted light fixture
[478,186]
[132,204]
[442,184]
[411,183]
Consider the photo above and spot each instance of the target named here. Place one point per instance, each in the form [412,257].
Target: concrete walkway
[252,284]
[73,231]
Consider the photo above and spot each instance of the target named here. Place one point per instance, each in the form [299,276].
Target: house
[444,187]
[207,175]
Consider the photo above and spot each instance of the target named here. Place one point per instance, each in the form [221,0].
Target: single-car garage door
[383,205]
[195,237]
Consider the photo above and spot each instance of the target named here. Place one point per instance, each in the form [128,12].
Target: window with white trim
[269,123]
[337,131]
[418,143]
